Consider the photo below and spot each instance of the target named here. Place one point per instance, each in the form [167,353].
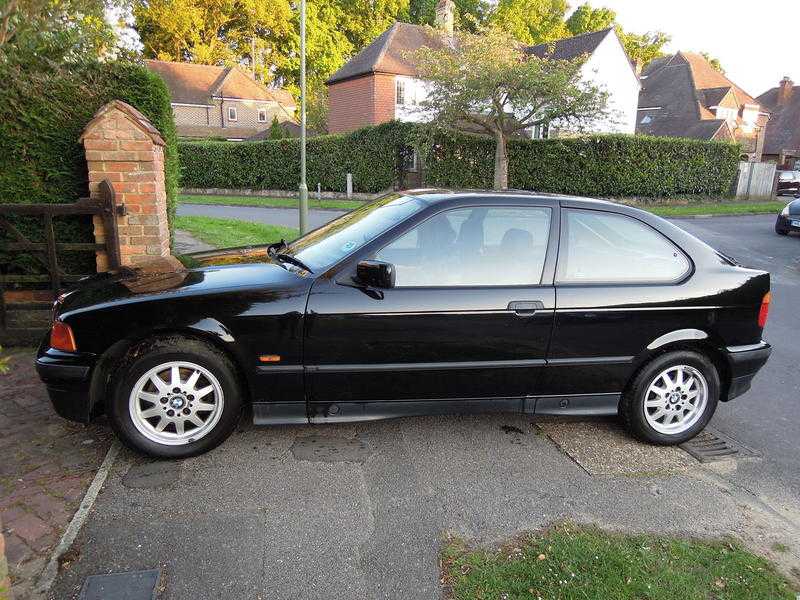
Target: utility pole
[303,185]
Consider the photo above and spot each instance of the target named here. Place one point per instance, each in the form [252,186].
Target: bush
[601,165]
[613,166]
[371,154]
[43,113]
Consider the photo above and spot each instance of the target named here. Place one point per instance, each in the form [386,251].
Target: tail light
[61,337]
[763,312]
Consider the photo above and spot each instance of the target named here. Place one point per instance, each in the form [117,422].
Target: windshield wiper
[273,249]
[292,261]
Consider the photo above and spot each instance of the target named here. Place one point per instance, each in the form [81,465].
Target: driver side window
[481,246]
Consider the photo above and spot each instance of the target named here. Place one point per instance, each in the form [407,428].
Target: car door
[620,285]
[466,326]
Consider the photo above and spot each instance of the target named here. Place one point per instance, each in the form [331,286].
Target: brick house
[379,84]
[684,96]
[782,137]
[221,102]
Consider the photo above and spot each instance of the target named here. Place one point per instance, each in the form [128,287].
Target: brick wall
[359,102]
[123,147]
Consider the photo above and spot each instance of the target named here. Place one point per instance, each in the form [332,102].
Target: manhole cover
[330,449]
[135,585]
[710,445]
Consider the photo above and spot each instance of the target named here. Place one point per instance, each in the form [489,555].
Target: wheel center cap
[674,397]
[177,402]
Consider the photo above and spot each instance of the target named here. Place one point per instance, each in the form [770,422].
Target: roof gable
[570,48]
[783,127]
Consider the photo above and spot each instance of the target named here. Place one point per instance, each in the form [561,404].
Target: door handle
[525,308]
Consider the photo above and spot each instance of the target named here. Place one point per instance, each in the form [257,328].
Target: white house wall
[608,68]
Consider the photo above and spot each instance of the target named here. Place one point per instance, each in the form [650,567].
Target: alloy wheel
[676,399]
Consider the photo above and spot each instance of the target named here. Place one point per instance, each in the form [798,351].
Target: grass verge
[268,202]
[717,208]
[572,562]
[228,233]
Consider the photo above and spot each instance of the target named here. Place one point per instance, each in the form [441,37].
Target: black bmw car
[789,218]
[419,303]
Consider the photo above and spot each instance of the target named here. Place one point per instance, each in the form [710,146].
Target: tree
[586,19]
[215,32]
[532,21]
[714,62]
[643,47]
[469,14]
[52,31]
[486,80]
[276,132]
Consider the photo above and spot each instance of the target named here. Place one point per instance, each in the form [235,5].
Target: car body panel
[350,352]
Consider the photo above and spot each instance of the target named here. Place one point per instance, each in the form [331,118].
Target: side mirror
[375,273]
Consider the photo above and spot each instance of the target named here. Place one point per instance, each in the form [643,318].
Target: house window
[262,115]
[232,116]
[400,96]
[541,132]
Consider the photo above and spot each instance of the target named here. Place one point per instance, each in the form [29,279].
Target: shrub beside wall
[42,114]
[370,154]
[602,165]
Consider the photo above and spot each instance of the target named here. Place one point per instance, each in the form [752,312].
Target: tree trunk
[500,161]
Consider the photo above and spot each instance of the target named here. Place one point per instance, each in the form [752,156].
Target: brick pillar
[124,147]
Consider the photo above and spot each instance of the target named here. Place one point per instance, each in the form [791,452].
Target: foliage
[4,360]
[486,81]
[276,132]
[44,32]
[608,166]
[643,47]
[718,208]
[215,31]
[370,154]
[41,159]
[469,14]
[229,233]
[266,201]
[586,19]
[586,563]
[532,21]
[714,62]
[614,166]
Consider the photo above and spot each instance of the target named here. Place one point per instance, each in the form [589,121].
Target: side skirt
[276,413]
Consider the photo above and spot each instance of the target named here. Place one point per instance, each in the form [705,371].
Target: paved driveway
[287,217]
[359,511]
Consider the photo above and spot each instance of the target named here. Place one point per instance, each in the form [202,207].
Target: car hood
[794,208]
[207,272]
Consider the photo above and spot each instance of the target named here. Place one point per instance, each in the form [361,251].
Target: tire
[781,231]
[198,417]
[685,414]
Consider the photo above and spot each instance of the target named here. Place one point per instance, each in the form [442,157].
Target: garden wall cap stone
[133,115]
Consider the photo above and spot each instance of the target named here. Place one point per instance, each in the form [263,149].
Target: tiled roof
[386,53]
[190,83]
[783,127]
[570,48]
[677,96]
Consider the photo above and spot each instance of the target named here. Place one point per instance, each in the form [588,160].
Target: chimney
[785,88]
[445,16]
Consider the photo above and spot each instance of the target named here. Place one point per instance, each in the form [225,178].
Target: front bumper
[744,363]
[67,377]
[786,222]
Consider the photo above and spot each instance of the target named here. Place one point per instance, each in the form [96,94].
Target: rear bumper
[67,377]
[744,363]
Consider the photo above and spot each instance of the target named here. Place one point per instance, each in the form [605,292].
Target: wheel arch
[208,331]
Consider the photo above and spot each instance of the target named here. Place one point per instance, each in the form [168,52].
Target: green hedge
[42,115]
[370,154]
[602,165]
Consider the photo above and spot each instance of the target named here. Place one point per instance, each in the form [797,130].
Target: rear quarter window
[603,247]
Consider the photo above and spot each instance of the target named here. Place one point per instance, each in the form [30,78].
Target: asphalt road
[287,217]
[360,510]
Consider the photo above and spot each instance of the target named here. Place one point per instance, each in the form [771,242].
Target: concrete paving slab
[602,447]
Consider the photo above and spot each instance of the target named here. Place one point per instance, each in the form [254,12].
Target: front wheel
[672,398]
[781,230]
[175,398]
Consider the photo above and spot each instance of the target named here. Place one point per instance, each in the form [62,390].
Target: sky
[757,43]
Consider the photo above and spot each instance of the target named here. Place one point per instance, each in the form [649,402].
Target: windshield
[324,247]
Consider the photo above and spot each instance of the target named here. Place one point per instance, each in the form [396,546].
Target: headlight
[785,211]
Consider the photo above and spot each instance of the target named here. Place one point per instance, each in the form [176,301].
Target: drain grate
[711,445]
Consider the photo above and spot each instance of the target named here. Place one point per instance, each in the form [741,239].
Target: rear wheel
[672,398]
[781,231]
[174,398]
